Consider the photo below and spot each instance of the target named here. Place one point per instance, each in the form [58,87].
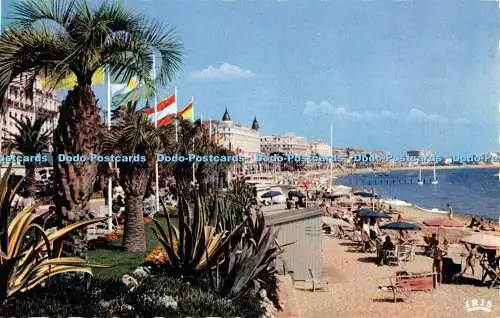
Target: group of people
[480,225]
[118,203]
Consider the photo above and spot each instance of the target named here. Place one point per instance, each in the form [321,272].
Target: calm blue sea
[469,191]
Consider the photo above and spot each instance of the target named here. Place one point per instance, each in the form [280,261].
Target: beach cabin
[302,226]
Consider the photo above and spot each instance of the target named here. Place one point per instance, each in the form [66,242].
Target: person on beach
[437,264]
[470,261]
[450,211]
[386,246]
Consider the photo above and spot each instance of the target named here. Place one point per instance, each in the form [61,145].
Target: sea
[469,191]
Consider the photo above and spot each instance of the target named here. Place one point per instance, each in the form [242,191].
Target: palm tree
[29,140]
[134,134]
[68,37]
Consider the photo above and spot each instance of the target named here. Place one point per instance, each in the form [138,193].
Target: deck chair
[369,246]
[390,257]
[316,283]
[404,283]
[403,253]
[490,272]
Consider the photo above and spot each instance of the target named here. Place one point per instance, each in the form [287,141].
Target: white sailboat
[420,181]
[434,180]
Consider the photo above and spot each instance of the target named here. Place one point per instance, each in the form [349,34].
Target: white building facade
[240,139]
[286,143]
[19,105]
[320,148]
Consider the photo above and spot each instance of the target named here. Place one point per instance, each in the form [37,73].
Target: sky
[388,75]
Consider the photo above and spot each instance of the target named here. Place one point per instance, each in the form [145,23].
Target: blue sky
[391,75]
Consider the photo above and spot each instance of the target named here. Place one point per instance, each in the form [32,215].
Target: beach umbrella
[443,223]
[404,226]
[372,214]
[271,194]
[335,222]
[297,194]
[485,240]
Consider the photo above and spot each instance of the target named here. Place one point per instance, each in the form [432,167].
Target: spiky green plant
[251,260]
[25,263]
[194,246]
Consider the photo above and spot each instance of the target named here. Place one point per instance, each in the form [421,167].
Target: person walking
[470,261]
[450,211]
[437,265]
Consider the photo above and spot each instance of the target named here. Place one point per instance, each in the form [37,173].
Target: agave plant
[251,263]
[194,246]
[25,263]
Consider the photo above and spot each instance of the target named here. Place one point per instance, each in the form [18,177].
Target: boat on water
[420,181]
[434,179]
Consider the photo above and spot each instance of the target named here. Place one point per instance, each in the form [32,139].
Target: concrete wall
[303,227]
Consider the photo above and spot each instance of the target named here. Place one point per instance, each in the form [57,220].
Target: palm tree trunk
[134,236]
[30,179]
[77,133]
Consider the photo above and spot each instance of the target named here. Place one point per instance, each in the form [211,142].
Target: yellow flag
[187,112]
[70,81]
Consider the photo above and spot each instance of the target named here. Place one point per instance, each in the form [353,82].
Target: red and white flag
[166,107]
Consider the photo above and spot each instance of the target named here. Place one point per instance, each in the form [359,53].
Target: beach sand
[353,279]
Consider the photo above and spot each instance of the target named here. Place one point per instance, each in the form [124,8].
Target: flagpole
[192,119]
[175,98]
[110,179]
[157,185]
[210,129]
[331,154]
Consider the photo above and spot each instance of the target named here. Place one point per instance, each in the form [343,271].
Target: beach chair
[403,284]
[316,283]
[403,253]
[390,257]
[490,272]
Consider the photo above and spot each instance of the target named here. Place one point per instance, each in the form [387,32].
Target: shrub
[113,299]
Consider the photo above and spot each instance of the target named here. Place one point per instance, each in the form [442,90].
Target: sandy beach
[353,279]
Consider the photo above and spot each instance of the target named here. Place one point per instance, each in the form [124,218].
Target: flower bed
[106,239]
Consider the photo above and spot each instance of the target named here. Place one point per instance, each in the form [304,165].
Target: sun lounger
[404,283]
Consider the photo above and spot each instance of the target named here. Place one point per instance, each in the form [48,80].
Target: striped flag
[166,107]
[187,112]
[166,120]
[121,91]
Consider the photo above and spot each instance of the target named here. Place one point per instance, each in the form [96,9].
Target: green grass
[122,262]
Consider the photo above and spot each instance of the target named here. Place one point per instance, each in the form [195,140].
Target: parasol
[271,194]
[405,226]
[372,214]
[485,240]
[335,222]
[297,194]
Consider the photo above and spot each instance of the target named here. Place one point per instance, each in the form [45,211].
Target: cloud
[325,108]
[419,116]
[225,71]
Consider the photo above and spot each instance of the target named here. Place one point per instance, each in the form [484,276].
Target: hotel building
[286,143]
[19,105]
